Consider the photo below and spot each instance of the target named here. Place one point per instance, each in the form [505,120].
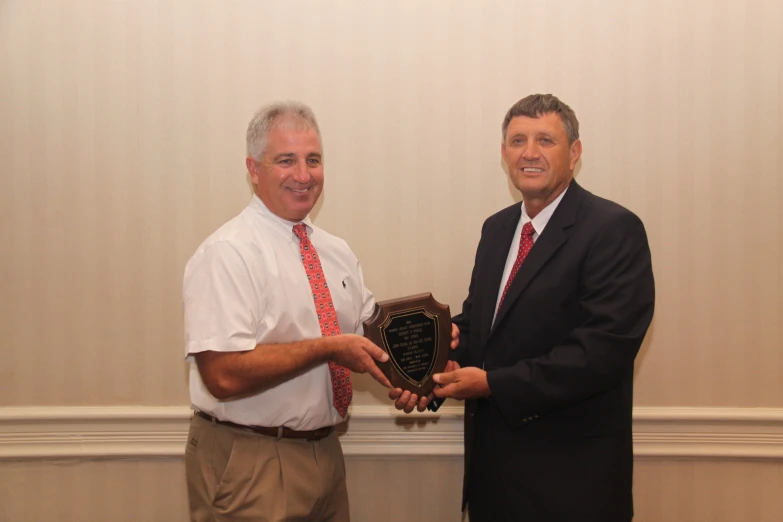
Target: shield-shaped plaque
[416,333]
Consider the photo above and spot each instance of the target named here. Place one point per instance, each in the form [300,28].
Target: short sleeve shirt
[245,286]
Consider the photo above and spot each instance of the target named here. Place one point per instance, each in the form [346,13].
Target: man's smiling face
[290,175]
[539,158]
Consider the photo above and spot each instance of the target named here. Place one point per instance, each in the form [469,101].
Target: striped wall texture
[122,147]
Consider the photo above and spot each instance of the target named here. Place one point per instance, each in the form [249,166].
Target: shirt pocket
[347,298]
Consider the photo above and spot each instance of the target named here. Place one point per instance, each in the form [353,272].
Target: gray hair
[292,114]
[537,105]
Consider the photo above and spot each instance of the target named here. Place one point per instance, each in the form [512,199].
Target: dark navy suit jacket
[553,442]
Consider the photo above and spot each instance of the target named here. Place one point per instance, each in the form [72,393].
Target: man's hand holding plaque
[417,334]
[407,401]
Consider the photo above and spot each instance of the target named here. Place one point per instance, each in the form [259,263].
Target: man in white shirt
[273,320]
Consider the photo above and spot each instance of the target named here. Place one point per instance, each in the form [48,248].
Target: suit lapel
[497,254]
[549,242]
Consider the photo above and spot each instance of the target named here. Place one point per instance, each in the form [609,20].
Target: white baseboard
[372,431]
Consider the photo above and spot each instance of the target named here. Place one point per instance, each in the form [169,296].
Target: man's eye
[546,140]
[314,161]
[286,162]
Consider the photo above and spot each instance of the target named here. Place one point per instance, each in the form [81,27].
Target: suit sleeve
[463,319]
[463,323]
[616,306]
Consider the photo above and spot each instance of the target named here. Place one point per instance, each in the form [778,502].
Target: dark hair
[537,105]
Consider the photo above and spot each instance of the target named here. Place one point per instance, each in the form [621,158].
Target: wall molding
[372,431]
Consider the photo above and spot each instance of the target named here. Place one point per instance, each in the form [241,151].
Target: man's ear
[252,169]
[576,153]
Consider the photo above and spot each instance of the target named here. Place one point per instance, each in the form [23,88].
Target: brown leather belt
[279,433]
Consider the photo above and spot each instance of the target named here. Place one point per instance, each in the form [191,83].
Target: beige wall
[390,491]
[121,148]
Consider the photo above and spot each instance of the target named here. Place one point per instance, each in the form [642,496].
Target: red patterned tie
[525,244]
[327,317]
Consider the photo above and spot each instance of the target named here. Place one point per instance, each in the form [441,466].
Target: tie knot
[300,231]
[527,229]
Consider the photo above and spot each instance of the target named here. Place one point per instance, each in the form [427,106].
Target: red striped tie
[525,244]
[327,317]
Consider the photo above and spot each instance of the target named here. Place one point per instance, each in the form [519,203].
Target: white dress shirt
[539,223]
[246,285]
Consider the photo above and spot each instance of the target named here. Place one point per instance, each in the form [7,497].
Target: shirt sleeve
[368,303]
[221,306]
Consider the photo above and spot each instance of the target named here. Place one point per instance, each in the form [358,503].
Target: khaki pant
[237,475]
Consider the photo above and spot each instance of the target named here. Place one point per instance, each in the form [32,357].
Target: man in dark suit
[559,302]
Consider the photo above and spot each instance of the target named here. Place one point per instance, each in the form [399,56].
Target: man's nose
[301,173]
[531,151]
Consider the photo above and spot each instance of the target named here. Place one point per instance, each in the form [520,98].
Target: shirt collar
[283,226]
[542,218]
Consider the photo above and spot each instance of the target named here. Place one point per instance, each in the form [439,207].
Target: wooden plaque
[416,333]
